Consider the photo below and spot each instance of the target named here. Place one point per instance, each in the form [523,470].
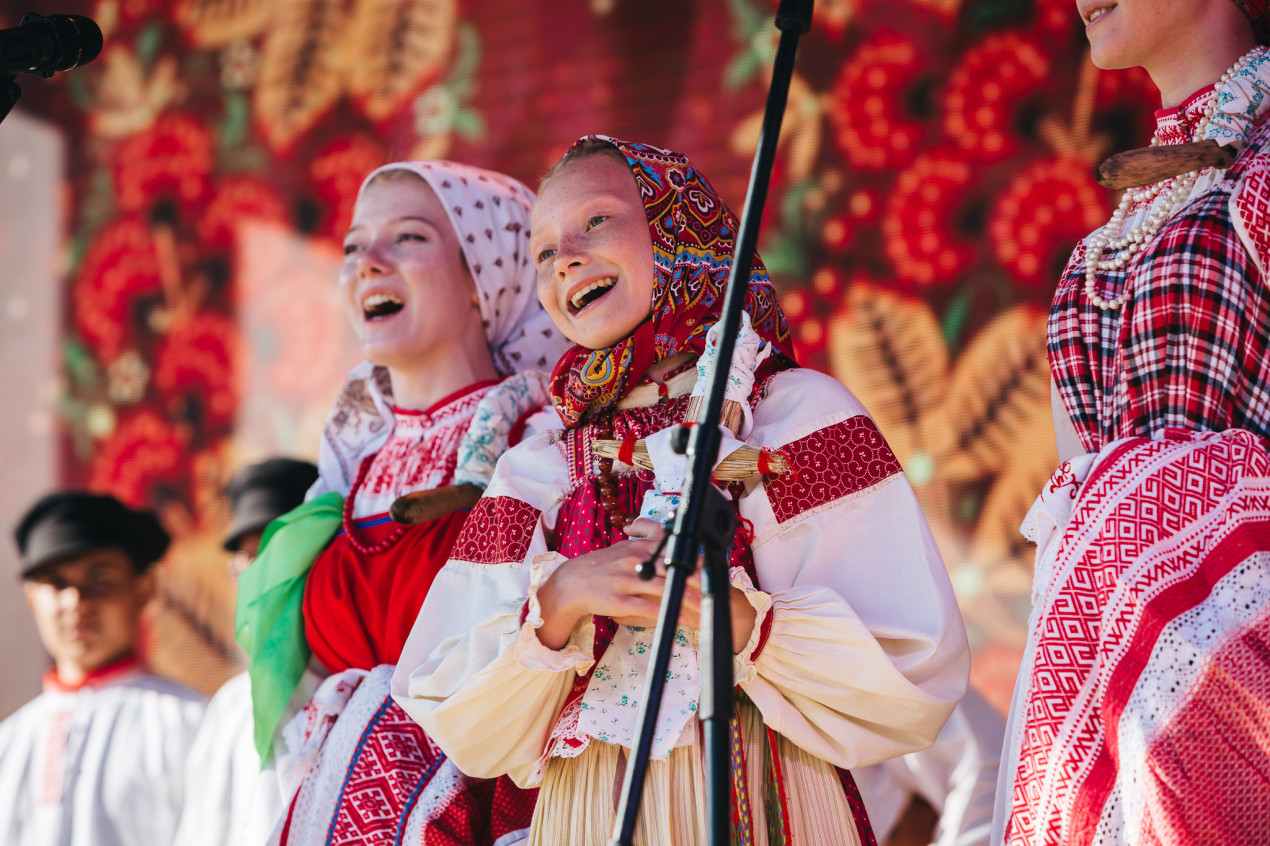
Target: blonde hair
[584,149]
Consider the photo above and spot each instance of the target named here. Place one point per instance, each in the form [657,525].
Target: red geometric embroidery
[1098,624]
[828,464]
[393,763]
[1254,206]
[498,530]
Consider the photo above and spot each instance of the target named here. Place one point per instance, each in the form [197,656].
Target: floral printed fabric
[693,236]
[488,435]
[610,707]
[1240,102]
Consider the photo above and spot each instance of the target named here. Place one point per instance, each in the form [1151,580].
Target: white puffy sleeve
[464,672]
[861,654]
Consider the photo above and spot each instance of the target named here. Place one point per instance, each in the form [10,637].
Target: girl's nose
[568,255]
[372,261]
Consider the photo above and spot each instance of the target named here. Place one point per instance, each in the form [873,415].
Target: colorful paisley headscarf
[1258,11]
[693,239]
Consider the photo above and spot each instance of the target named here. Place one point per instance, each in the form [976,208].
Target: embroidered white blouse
[864,655]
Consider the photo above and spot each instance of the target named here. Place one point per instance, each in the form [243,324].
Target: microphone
[41,45]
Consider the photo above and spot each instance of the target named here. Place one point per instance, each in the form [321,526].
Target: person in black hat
[223,768]
[99,754]
[85,570]
[257,494]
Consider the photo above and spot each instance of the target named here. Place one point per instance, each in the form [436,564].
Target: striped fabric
[579,796]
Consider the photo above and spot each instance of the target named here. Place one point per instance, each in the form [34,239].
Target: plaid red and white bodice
[1189,347]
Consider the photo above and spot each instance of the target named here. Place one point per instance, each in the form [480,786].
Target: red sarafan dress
[377,774]
[1141,711]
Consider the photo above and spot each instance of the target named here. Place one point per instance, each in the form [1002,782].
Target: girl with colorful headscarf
[1140,712]
[438,285]
[848,644]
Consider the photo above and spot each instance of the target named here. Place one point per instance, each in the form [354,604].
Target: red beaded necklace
[603,429]
[373,549]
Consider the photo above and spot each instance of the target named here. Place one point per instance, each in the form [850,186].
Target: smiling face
[1152,33]
[593,251]
[403,282]
[87,609]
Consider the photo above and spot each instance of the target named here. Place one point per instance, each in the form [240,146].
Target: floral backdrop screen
[935,170]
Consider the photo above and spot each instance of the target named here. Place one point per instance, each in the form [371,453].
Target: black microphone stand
[705,522]
[9,94]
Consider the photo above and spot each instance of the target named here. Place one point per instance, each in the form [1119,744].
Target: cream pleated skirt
[782,795]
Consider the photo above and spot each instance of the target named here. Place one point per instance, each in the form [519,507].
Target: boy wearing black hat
[257,494]
[98,756]
[229,801]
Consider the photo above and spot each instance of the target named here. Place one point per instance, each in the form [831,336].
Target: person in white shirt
[223,767]
[98,757]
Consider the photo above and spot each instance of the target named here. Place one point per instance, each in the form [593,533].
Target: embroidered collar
[1177,125]
[458,402]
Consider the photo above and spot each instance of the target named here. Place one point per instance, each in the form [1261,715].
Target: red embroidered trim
[499,529]
[834,462]
[764,631]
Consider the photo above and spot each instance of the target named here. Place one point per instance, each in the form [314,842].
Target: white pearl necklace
[1164,198]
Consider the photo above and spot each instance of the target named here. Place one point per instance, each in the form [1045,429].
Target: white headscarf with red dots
[490,214]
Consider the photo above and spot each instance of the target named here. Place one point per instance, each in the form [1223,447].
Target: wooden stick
[1135,168]
[422,506]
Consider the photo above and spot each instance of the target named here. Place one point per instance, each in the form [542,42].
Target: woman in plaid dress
[1140,711]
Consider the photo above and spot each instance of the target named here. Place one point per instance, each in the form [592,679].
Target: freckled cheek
[546,291]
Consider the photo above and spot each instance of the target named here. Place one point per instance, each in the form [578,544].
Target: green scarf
[269,624]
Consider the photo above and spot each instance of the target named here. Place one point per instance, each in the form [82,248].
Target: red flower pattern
[238,201]
[199,359]
[984,93]
[172,159]
[120,267]
[337,173]
[918,226]
[1032,240]
[144,453]
[873,129]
